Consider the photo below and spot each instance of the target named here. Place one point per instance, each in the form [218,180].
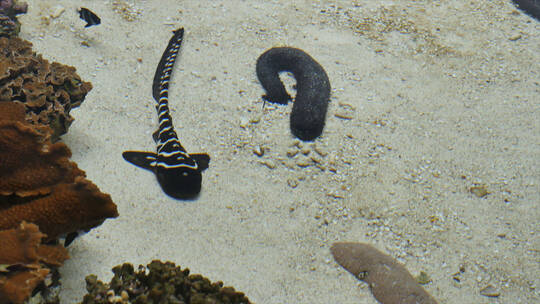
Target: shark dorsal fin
[155,136]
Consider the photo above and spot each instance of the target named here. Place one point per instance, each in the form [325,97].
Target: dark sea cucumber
[531,7]
[312,86]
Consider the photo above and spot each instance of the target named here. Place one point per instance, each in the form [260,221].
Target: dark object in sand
[531,7]
[88,16]
[163,283]
[389,281]
[312,86]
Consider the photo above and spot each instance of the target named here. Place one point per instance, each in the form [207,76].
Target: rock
[490,291]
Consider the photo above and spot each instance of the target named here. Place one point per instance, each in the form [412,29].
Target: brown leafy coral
[25,262]
[9,9]
[48,90]
[29,164]
[39,184]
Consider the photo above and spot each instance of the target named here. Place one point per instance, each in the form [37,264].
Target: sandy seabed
[428,100]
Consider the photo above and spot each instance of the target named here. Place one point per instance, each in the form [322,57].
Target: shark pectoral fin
[143,160]
[155,136]
[202,160]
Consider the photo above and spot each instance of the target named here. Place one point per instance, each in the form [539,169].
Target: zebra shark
[178,173]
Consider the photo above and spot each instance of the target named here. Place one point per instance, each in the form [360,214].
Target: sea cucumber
[312,86]
[531,7]
[389,281]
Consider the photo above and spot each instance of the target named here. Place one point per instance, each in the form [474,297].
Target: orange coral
[29,164]
[39,184]
[69,207]
[22,250]
[22,245]
[48,90]
[17,287]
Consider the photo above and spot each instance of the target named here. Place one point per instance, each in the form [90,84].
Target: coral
[68,208]
[9,9]
[12,8]
[25,262]
[39,184]
[389,281]
[164,283]
[29,164]
[48,90]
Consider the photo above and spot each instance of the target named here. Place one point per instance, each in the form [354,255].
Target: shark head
[180,183]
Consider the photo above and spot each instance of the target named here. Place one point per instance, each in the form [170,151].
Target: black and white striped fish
[178,172]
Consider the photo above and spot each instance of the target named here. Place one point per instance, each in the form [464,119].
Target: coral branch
[25,261]
[48,90]
[39,184]
[9,9]
[69,208]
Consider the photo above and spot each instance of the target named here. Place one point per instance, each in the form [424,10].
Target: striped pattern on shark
[178,172]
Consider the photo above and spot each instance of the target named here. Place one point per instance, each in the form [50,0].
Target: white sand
[448,98]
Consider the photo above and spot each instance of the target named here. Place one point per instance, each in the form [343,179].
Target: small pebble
[346,106]
[305,162]
[319,151]
[289,163]
[293,183]
[334,195]
[315,159]
[343,116]
[58,10]
[423,278]
[244,122]
[269,164]
[479,191]
[515,37]
[292,153]
[259,151]
[490,291]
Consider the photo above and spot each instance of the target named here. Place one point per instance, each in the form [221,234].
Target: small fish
[178,173]
[88,16]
